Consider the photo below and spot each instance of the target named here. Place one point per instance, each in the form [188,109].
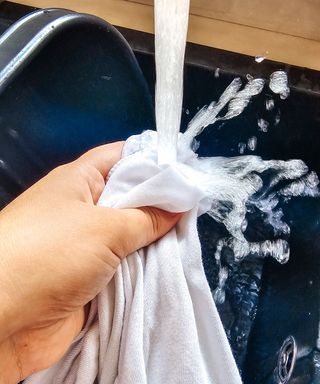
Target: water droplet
[13,133]
[249,77]
[259,59]
[244,225]
[269,104]
[252,143]
[187,112]
[106,77]
[277,119]
[241,148]
[279,84]
[217,73]
[263,125]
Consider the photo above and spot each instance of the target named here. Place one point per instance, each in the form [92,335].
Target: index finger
[104,157]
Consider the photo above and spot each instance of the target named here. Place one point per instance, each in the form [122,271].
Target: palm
[40,347]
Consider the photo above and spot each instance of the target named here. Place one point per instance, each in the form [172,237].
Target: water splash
[252,143]
[269,104]
[242,147]
[278,249]
[279,84]
[240,101]
[219,293]
[306,186]
[240,185]
[235,186]
[263,125]
[259,59]
[236,99]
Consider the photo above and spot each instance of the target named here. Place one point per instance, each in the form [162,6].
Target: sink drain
[287,359]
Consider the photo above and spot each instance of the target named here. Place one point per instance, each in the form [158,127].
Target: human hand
[57,251]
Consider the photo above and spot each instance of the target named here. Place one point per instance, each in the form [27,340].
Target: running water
[171,25]
[235,187]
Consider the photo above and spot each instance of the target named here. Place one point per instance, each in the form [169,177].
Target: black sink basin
[81,86]
[68,82]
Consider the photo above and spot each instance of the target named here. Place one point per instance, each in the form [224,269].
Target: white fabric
[156,322]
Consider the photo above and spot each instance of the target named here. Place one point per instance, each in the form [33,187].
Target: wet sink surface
[268,305]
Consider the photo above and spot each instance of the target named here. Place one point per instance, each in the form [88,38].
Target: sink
[81,86]
[68,82]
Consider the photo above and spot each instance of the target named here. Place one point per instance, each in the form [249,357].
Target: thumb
[136,228]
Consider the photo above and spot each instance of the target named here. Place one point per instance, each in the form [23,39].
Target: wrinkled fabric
[156,322]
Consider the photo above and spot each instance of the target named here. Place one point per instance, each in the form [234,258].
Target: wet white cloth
[156,322]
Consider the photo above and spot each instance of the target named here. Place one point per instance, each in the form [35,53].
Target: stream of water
[171,25]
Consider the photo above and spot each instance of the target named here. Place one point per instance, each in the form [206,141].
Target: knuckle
[117,238]
[154,216]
